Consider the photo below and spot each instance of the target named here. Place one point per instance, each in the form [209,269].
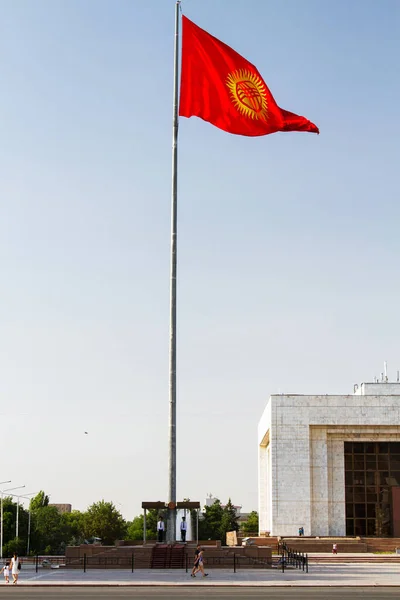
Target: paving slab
[338,575]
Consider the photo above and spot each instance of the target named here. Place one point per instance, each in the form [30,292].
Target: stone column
[319,481]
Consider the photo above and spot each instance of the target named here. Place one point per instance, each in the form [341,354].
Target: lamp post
[29,519]
[18,496]
[1,518]
[17,519]
[1,525]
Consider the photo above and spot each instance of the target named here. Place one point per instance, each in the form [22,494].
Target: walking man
[160,529]
[183,529]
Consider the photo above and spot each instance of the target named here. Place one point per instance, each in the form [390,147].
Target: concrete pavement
[163,593]
[338,575]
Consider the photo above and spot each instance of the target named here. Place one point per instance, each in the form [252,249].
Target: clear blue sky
[288,244]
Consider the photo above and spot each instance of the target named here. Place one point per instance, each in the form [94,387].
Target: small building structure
[62,508]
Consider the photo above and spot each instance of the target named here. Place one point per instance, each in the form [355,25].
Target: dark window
[359,494]
[394,462]
[370,469]
[349,527]
[371,527]
[383,463]
[396,476]
[348,462]
[358,448]
[360,511]
[359,463]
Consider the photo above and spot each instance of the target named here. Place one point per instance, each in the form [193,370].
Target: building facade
[331,464]
[62,508]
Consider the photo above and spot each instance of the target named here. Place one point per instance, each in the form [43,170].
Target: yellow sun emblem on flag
[248,94]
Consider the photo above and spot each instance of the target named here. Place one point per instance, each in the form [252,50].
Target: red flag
[220,86]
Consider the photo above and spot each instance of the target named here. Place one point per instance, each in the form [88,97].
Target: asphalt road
[209,593]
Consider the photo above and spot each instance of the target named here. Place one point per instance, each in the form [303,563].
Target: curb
[212,585]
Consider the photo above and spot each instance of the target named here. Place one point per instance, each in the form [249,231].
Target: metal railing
[233,561]
[106,562]
[288,558]
[292,558]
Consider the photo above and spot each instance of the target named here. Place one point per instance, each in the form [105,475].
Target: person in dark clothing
[196,560]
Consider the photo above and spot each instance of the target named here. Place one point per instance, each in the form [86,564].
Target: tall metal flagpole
[171,525]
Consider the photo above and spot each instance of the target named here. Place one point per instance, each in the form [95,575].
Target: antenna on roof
[385,370]
[398,376]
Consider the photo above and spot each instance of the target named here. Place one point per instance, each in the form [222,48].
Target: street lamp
[1,525]
[18,496]
[29,520]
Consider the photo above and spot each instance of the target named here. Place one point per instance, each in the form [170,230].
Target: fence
[234,562]
[34,563]
[292,558]
[106,562]
[287,558]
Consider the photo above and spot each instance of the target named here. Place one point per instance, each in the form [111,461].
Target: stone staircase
[165,556]
[382,544]
[350,550]
[354,559]
[311,544]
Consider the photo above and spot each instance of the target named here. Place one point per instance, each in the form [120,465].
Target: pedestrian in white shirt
[160,529]
[183,529]
[6,571]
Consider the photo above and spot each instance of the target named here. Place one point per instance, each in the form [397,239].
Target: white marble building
[302,444]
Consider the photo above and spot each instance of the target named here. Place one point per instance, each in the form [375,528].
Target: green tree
[73,525]
[41,499]
[16,545]
[9,527]
[229,521]
[103,520]
[47,535]
[152,516]
[9,514]
[251,525]
[210,524]
[134,529]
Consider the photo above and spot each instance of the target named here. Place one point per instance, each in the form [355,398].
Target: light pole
[1,525]
[18,496]
[1,519]
[29,520]
[17,519]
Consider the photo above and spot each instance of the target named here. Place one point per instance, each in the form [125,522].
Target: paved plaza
[199,593]
[348,575]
